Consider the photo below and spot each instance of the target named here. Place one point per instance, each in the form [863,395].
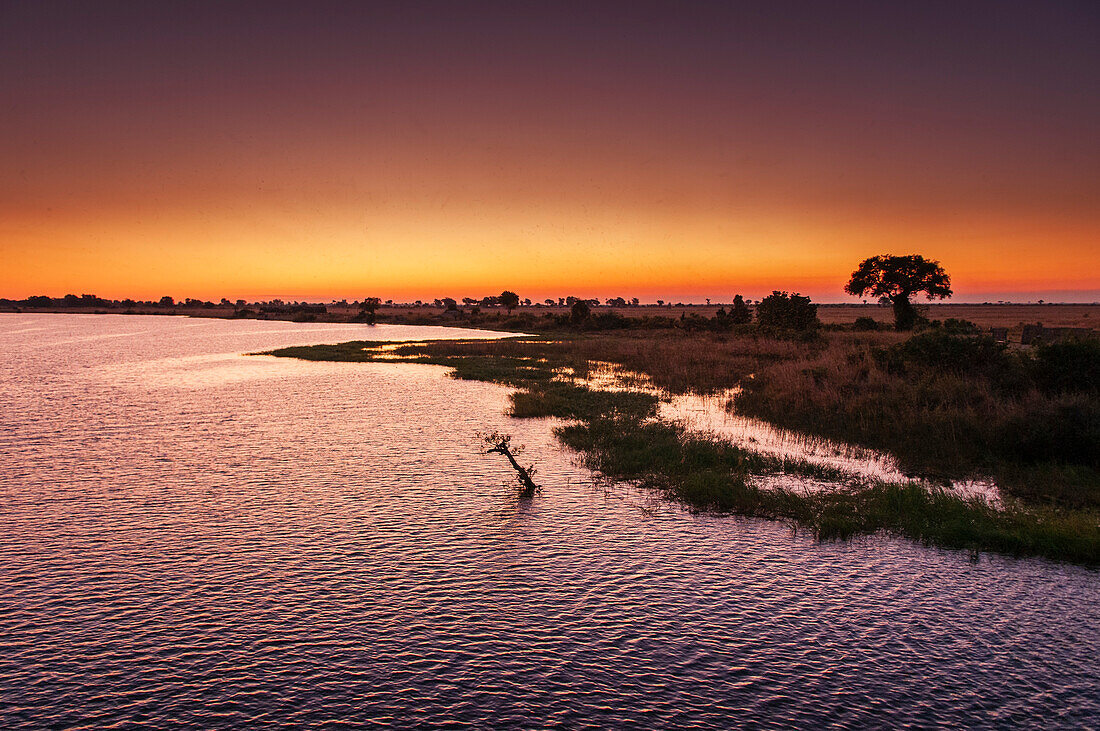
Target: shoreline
[1011,315]
[618,434]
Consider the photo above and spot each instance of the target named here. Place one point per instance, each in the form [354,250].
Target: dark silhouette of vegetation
[71,301]
[897,279]
[865,324]
[950,406]
[510,300]
[579,312]
[501,444]
[959,327]
[739,312]
[367,309]
[1068,366]
[782,311]
[944,352]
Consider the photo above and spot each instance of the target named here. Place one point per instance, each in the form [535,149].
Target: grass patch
[569,401]
[709,475]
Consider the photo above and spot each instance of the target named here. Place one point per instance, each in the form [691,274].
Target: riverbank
[1011,316]
[617,434]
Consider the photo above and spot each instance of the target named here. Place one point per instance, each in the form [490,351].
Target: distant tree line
[507,299]
[895,280]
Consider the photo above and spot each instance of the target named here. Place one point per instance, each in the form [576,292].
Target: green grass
[618,435]
[569,401]
[710,475]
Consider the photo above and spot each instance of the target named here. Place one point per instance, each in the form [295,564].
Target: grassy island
[948,406]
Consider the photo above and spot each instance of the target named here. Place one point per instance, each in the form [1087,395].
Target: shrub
[740,313]
[865,324]
[944,351]
[579,312]
[782,311]
[1070,365]
[953,325]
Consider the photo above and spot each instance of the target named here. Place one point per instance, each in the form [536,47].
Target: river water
[191,537]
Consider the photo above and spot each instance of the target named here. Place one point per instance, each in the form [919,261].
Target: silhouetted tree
[739,313]
[787,312]
[367,308]
[501,444]
[509,300]
[896,279]
[167,301]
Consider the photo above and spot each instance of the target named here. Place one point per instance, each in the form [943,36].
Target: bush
[579,312]
[782,311]
[865,324]
[962,327]
[944,351]
[1070,365]
[740,313]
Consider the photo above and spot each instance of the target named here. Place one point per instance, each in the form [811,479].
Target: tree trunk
[905,315]
[529,486]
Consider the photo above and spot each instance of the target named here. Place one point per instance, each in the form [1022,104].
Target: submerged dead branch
[501,444]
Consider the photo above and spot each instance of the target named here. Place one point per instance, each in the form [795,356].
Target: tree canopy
[897,278]
[367,308]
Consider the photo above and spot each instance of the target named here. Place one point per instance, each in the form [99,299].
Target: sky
[657,150]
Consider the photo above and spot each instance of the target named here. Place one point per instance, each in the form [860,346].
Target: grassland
[840,385]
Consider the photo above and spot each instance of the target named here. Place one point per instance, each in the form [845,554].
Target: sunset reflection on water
[198,538]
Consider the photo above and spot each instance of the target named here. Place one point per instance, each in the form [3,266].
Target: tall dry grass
[979,419]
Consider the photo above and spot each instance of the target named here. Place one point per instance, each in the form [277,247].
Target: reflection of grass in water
[617,435]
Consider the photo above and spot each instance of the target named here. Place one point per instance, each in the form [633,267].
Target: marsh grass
[832,387]
[709,475]
[949,411]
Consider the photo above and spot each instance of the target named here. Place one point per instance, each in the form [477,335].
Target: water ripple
[197,540]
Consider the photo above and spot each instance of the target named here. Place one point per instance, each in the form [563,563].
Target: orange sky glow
[256,155]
